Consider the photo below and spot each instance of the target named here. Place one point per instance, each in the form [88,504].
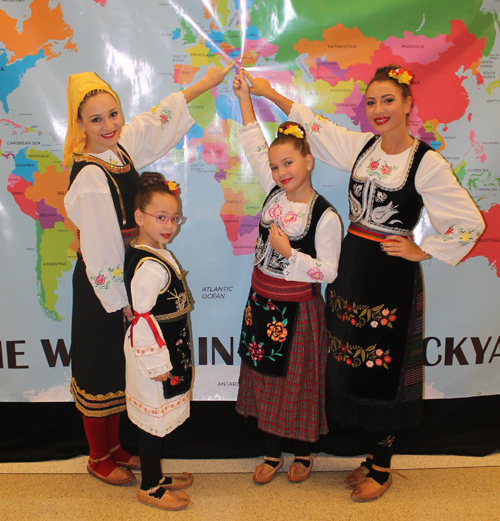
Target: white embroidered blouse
[89,205]
[450,208]
[292,218]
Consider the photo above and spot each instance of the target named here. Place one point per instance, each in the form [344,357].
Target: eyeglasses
[165,219]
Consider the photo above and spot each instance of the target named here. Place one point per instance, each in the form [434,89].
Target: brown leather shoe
[179,482]
[355,477]
[369,489]
[134,463]
[169,500]
[298,472]
[117,477]
[264,473]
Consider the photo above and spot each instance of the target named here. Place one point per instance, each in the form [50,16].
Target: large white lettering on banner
[316,52]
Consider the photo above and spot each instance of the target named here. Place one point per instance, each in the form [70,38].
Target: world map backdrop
[321,53]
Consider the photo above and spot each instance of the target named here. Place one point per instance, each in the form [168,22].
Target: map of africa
[319,53]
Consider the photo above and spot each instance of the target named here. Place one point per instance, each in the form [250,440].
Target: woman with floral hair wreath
[105,155]
[374,308]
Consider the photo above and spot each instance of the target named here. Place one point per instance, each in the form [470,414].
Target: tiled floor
[439,488]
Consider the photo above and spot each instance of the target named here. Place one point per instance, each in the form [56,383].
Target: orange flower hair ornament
[292,130]
[402,75]
[173,187]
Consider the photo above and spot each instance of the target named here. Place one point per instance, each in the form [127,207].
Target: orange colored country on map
[43,26]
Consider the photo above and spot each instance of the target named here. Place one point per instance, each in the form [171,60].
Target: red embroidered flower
[385,312]
[387,359]
[163,118]
[338,358]
[386,169]
[255,351]
[379,352]
[343,349]
[392,318]
[348,361]
[343,317]
[353,321]
[288,218]
[100,280]
[174,381]
[349,308]
[315,128]
[379,362]
[384,321]
[270,306]
[254,297]
[373,165]
[449,230]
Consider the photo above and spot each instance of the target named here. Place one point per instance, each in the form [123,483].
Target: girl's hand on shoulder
[259,86]
[404,247]
[240,87]
[127,313]
[279,241]
[215,75]
[162,377]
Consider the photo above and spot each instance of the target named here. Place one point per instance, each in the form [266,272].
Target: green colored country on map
[276,20]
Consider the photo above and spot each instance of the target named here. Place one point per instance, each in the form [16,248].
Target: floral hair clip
[173,187]
[402,75]
[292,130]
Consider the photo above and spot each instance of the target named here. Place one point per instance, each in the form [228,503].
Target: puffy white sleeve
[323,268]
[89,205]
[148,281]
[452,212]
[150,135]
[256,150]
[334,145]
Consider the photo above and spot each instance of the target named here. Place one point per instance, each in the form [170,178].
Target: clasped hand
[279,241]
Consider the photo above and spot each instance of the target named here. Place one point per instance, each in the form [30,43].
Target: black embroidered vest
[123,181]
[389,210]
[270,261]
[171,311]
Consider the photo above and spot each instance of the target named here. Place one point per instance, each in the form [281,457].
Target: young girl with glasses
[157,344]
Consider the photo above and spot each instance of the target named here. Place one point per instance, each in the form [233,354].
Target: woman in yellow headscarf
[105,156]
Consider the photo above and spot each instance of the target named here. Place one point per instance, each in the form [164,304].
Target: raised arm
[262,87]
[212,78]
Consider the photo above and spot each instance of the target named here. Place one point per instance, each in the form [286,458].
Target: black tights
[273,447]
[150,453]
[381,446]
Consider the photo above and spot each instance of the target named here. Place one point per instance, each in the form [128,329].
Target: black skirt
[97,358]
[374,317]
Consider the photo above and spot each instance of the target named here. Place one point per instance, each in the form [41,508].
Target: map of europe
[323,57]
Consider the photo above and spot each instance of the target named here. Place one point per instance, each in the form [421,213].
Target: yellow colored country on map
[41,30]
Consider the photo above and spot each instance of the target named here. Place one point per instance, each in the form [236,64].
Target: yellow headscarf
[79,85]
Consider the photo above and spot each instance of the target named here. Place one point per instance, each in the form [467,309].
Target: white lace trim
[157,371]
[250,126]
[292,261]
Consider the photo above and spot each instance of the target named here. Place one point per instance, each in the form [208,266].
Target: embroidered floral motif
[359,315]
[164,116]
[248,315]
[116,273]
[464,238]
[356,356]
[288,218]
[276,331]
[261,148]
[150,350]
[314,128]
[388,441]
[381,172]
[181,300]
[316,273]
[357,189]
[100,281]
[380,197]
[186,359]
[275,211]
